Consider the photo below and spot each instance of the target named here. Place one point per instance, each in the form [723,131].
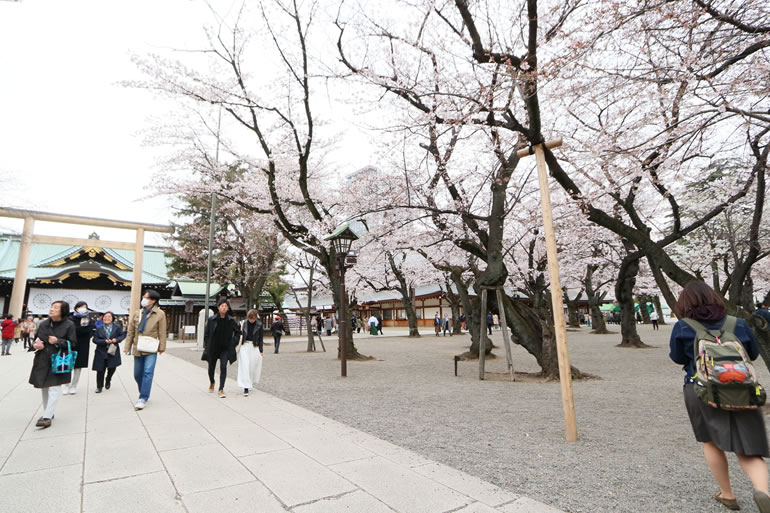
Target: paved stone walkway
[190,451]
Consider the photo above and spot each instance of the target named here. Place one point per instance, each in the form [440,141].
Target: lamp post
[342,239]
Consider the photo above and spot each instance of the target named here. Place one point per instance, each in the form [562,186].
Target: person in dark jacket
[720,431]
[85,329]
[54,333]
[107,338]
[8,327]
[379,322]
[222,333]
[277,330]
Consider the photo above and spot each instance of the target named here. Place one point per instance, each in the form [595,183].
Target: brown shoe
[45,423]
[211,387]
[221,393]
[731,504]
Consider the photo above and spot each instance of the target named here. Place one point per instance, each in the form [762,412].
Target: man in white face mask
[149,324]
[84,327]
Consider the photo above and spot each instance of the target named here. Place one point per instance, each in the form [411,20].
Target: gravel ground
[636,451]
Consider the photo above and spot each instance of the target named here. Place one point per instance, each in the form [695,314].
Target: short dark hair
[695,294]
[80,303]
[223,300]
[64,308]
[9,316]
[154,294]
[108,312]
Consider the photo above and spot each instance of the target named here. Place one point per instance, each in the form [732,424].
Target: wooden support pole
[504,327]
[22,268]
[136,281]
[565,372]
[483,334]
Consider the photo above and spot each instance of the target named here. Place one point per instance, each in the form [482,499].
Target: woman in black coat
[53,334]
[107,352]
[219,341]
[84,327]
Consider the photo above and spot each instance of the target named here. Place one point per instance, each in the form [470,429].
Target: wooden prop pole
[504,327]
[483,334]
[565,372]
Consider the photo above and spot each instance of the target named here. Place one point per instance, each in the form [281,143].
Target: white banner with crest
[116,301]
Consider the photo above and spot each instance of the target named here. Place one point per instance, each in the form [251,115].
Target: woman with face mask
[84,327]
[107,352]
[148,321]
[53,334]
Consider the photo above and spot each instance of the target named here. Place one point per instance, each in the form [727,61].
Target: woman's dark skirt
[741,432]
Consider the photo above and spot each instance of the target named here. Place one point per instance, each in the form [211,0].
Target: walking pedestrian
[462,323]
[742,432]
[8,325]
[17,331]
[353,322]
[638,318]
[447,325]
[250,352]
[219,341]
[28,329]
[54,333]
[654,319]
[328,324]
[107,338]
[149,325]
[277,330]
[437,324]
[372,325]
[84,327]
[489,323]
[495,321]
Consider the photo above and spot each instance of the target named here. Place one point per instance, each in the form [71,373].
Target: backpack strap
[700,333]
[729,325]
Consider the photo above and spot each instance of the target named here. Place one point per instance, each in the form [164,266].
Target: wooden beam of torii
[565,370]
[28,237]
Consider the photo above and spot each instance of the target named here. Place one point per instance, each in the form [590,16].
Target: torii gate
[28,237]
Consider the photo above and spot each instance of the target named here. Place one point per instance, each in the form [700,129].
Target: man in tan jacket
[148,321]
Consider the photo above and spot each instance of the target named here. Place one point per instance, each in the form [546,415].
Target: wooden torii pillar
[28,237]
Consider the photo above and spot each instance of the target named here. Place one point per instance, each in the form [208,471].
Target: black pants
[277,340]
[100,377]
[489,327]
[222,369]
[27,341]
[654,325]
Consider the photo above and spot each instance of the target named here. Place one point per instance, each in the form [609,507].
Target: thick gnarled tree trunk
[624,293]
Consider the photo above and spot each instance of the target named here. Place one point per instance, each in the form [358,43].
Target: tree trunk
[411,314]
[594,302]
[761,331]
[643,300]
[574,320]
[454,304]
[624,293]
[406,297]
[472,308]
[659,309]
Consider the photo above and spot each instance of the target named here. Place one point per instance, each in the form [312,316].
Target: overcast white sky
[70,135]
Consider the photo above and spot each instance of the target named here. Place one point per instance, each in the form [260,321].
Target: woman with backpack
[719,430]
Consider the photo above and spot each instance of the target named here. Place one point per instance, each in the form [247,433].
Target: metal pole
[343,322]
[212,217]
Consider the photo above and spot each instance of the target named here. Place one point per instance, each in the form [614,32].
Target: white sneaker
[65,389]
[139,404]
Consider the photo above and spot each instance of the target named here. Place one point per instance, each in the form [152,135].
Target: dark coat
[276,328]
[213,348]
[259,334]
[42,376]
[102,360]
[84,332]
